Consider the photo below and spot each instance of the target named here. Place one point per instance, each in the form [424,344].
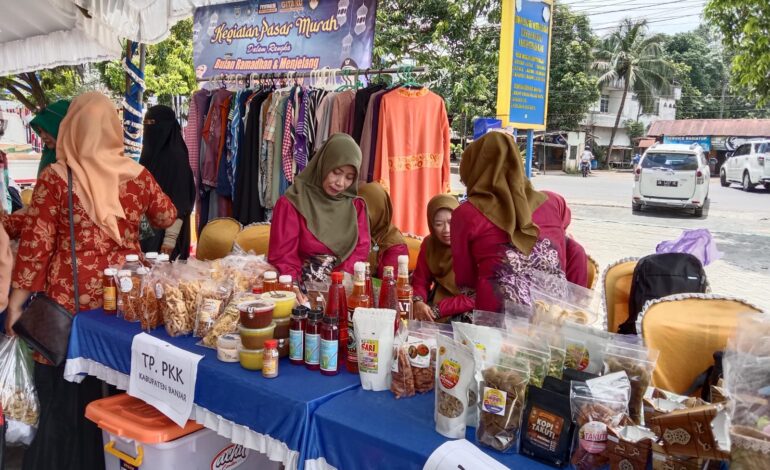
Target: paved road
[602,220]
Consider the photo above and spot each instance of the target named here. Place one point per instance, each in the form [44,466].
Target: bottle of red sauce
[389,293]
[330,346]
[337,307]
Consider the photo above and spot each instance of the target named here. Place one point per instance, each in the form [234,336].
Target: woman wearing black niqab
[165,156]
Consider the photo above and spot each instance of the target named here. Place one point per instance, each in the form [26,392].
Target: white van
[674,176]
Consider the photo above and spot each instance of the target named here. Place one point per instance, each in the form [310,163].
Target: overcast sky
[664,16]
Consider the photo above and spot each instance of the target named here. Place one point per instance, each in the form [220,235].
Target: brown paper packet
[629,448]
[695,432]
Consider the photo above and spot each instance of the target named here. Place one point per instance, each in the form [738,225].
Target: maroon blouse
[390,258]
[422,282]
[553,217]
[291,242]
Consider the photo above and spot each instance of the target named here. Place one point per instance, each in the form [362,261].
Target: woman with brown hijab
[495,245]
[436,295]
[110,194]
[387,241]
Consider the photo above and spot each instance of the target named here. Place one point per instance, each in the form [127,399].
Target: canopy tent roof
[43,34]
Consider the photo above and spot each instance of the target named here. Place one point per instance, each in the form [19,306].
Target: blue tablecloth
[361,430]
[281,408]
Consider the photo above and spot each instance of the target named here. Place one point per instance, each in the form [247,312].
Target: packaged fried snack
[501,406]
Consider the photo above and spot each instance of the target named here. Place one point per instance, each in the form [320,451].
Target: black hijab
[165,156]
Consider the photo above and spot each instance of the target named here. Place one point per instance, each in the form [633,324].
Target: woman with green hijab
[46,125]
[320,225]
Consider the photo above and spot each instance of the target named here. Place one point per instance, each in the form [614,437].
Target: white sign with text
[164,376]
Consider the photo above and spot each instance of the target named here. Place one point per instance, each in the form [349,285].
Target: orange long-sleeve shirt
[412,154]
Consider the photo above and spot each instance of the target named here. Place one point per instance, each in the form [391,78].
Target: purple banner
[282,36]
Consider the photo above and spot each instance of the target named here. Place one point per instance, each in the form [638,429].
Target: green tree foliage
[36,89]
[455,39]
[168,69]
[459,40]
[572,88]
[634,129]
[635,60]
[702,71]
[745,27]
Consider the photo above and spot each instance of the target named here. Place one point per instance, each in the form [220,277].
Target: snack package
[702,431]
[189,279]
[516,310]
[750,449]
[130,293]
[152,297]
[402,378]
[244,270]
[455,368]
[638,364]
[746,365]
[525,353]
[227,323]
[597,405]
[422,356]
[548,429]
[489,319]
[556,300]
[501,406]
[374,337]
[18,396]
[663,461]
[212,300]
[629,447]
[587,342]
[414,363]
[173,308]
[573,375]
[485,344]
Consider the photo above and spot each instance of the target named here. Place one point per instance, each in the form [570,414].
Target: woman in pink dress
[436,296]
[320,225]
[495,244]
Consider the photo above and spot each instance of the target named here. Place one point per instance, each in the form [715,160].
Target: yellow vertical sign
[524,63]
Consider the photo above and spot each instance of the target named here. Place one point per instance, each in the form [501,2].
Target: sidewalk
[601,241]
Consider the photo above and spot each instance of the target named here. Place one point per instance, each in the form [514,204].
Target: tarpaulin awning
[711,127]
[43,34]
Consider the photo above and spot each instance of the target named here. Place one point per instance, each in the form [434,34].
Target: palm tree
[633,59]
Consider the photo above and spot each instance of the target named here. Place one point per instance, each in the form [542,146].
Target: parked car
[673,176]
[748,165]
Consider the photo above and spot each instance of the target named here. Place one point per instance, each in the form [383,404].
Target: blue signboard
[282,36]
[704,142]
[525,49]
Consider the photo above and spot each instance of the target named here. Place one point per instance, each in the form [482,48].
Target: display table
[372,430]
[271,416]
[301,418]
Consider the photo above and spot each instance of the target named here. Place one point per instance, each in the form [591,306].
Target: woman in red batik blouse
[111,192]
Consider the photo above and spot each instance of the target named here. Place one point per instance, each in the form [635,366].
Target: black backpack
[661,275]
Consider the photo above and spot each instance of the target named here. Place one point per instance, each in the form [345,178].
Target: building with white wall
[600,119]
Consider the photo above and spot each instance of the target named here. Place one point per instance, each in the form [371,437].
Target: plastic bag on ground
[18,396]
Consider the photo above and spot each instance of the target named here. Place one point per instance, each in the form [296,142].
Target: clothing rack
[319,73]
